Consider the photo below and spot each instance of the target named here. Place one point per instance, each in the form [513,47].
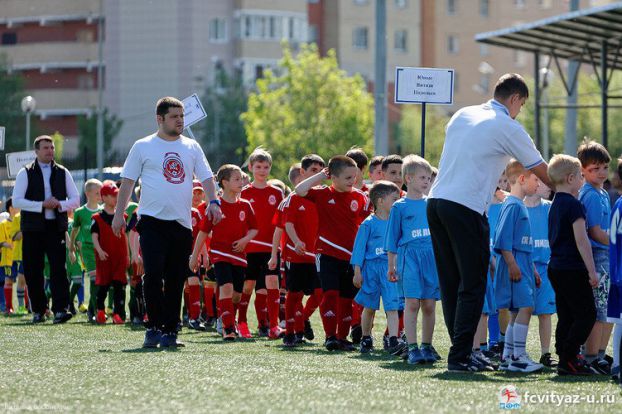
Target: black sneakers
[152,338]
[332,344]
[308,332]
[548,361]
[346,345]
[38,318]
[577,366]
[468,366]
[367,345]
[289,340]
[62,317]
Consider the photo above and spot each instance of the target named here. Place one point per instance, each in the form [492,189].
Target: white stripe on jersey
[261,243]
[336,246]
[228,255]
[294,249]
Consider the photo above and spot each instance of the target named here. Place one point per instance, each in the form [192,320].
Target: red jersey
[238,218]
[340,214]
[265,202]
[196,220]
[302,213]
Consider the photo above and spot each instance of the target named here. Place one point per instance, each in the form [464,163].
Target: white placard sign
[2,131]
[424,85]
[193,110]
[16,160]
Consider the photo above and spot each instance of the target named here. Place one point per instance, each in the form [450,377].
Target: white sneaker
[524,364]
[219,326]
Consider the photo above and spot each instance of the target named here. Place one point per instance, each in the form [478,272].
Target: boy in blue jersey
[370,263]
[516,280]
[595,168]
[411,258]
[538,207]
[614,302]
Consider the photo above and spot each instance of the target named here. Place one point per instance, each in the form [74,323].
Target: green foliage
[11,115]
[87,132]
[408,132]
[59,142]
[308,105]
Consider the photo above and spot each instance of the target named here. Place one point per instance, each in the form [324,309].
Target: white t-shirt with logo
[479,142]
[166,170]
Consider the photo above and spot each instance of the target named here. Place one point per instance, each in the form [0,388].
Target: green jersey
[131,208]
[82,219]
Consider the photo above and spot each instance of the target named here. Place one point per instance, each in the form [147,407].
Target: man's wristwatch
[215,201]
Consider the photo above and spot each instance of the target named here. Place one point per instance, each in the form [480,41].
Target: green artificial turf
[79,367]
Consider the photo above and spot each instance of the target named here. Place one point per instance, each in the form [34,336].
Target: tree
[408,132]
[59,143]
[222,133]
[11,115]
[308,105]
[87,131]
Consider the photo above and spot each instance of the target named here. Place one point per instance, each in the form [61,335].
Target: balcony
[41,53]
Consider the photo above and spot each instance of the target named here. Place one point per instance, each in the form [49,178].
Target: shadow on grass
[140,350]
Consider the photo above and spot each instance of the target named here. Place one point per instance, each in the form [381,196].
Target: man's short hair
[338,163]
[259,155]
[591,152]
[510,84]
[166,103]
[225,172]
[42,138]
[92,182]
[391,159]
[294,173]
[381,189]
[308,160]
[359,156]
[375,162]
[561,166]
[515,169]
[411,163]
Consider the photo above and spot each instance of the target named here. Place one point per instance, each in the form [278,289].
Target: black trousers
[576,311]
[118,294]
[460,237]
[36,244]
[166,246]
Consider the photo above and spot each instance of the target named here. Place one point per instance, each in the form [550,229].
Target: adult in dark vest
[45,191]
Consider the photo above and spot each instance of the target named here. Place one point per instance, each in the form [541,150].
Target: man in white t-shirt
[479,142]
[166,163]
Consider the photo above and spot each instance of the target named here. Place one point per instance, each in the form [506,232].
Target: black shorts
[257,269]
[301,277]
[228,273]
[210,275]
[336,274]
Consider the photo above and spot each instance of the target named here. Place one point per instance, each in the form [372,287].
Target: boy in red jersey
[341,209]
[192,291]
[230,238]
[375,168]
[112,256]
[265,200]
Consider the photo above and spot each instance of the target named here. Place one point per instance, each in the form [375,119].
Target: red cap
[196,185]
[109,189]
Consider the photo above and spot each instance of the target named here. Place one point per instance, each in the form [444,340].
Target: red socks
[208,300]
[357,311]
[300,321]
[312,304]
[293,303]
[260,309]
[194,301]
[227,312]
[328,311]
[8,296]
[243,307]
[344,317]
[274,303]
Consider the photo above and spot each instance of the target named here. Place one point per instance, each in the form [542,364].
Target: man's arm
[19,194]
[303,188]
[213,211]
[118,222]
[540,171]
[73,197]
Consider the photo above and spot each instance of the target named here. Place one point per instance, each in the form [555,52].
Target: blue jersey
[369,241]
[615,245]
[597,209]
[493,218]
[513,232]
[408,223]
[539,221]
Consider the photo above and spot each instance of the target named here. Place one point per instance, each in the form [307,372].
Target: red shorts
[113,269]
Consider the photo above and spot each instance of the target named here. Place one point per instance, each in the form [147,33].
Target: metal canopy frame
[590,36]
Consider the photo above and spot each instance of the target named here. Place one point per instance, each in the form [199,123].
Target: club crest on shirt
[272,200]
[173,168]
[354,205]
[242,215]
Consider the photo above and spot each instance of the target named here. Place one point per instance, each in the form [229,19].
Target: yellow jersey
[17,244]
[6,258]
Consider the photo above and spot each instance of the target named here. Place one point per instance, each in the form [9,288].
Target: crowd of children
[353,244]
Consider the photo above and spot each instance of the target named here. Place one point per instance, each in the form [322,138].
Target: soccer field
[79,367]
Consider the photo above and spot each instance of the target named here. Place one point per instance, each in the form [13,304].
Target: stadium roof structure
[591,36]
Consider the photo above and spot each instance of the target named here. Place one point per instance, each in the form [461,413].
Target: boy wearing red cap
[111,256]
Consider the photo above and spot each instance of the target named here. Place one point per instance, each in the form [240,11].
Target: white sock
[617,344]
[508,348]
[520,339]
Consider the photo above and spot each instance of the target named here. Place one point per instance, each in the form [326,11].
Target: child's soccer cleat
[524,364]
[396,347]
[428,356]
[38,318]
[600,367]
[308,332]
[289,341]
[385,342]
[464,367]
[116,319]
[575,367]
[276,333]
[83,308]
[436,354]
[548,361]
[210,322]
[196,325]
[228,334]
[263,331]
[152,338]
[332,344]
[169,340]
[299,338]
[404,354]
[346,345]
[21,311]
[486,364]
[415,357]
[244,331]
[101,317]
[356,333]
[504,364]
[61,317]
[367,345]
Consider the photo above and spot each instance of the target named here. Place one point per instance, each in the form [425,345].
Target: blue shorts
[515,295]
[17,268]
[417,274]
[376,285]
[601,293]
[5,273]
[545,295]
[490,304]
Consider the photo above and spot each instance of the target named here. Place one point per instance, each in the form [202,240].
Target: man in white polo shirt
[479,142]
[166,163]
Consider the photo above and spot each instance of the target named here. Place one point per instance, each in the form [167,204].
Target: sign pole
[190,134]
[423,130]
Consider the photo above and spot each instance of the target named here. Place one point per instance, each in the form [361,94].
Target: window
[451,6]
[275,28]
[313,33]
[545,4]
[484,50]
[400,40]
[9,38]
[85,36]
[86,81]
[483,8]
[452,44]
[401,4]
[259,71]
[519,4]
[217,30]
[359,38]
